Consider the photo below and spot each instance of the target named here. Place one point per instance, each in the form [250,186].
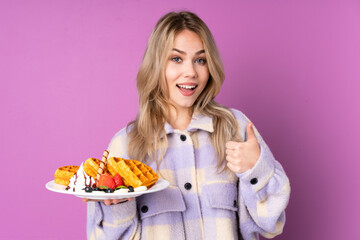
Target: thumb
[250,132]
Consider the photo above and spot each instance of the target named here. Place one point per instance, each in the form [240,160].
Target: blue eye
[200,60]
[176,59]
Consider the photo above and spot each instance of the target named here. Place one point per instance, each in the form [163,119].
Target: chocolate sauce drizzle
[90,184]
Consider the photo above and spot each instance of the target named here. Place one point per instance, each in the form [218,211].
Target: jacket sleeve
[120,221]
[264,193]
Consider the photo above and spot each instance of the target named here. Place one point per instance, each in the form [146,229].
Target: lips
[187,89]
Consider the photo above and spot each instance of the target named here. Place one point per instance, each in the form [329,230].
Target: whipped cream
[140,189]
[80,180]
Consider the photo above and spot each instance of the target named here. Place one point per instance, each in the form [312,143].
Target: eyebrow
[182,52]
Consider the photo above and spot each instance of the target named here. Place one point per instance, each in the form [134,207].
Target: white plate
[161,184]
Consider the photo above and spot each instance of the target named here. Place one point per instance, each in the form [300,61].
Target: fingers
[233,152]
[250,132]
[230,152]
[235,161]
[85,200]
[233,155]
[241,156]
[250,137]
[107,202]
[116,201]
[234,167]
[232,145]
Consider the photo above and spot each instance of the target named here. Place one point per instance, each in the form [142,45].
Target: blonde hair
[147,137]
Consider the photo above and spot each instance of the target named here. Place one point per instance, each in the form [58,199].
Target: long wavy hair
[147,137]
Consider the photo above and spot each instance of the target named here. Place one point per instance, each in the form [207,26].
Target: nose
[190,70]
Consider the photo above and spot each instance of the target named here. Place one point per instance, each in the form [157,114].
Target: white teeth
[187,87]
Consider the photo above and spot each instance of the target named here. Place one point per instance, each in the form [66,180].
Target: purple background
[68,70]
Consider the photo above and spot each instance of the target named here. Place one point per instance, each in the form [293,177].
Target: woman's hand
[108,202]
[242,156]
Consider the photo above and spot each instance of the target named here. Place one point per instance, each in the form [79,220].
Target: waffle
[133,173]
[63,174]
[91,167]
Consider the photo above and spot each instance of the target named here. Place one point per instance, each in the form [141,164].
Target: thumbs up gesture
[241,156]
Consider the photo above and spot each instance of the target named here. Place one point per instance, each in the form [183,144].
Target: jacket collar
[198,122]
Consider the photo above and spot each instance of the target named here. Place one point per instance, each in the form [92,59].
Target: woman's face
[186,70]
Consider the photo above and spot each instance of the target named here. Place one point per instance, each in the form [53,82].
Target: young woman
[224,180]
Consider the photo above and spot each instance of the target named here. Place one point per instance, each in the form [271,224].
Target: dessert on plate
[109,175]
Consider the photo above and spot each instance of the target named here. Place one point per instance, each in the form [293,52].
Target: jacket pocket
[221,195]
[165,201]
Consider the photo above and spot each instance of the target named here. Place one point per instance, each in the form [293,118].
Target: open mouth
[186,87]
[187,90]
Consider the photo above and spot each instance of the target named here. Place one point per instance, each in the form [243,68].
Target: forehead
[188,40]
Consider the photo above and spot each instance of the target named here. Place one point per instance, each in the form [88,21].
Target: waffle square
[133,173]
[91,166]
[63,174]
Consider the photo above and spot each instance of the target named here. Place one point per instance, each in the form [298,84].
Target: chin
[185,105]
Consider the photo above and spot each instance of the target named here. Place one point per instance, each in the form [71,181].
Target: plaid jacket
[200,202]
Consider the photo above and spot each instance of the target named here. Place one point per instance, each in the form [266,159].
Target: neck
[180,118]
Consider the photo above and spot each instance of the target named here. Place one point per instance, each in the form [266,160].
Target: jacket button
[235,204]
[187,186]
[254,181]
[183,138]
[144,209]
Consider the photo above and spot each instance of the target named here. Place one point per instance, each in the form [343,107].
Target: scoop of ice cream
[80,180]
